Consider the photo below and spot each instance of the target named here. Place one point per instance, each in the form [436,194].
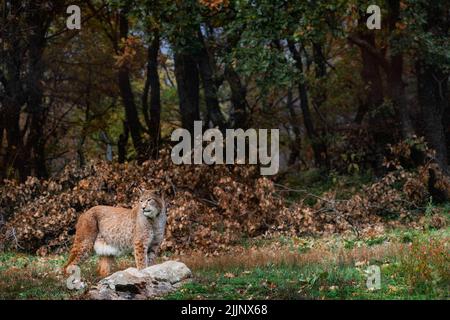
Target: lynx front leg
[153,253]
[154,247]
[140,254]
[158,236]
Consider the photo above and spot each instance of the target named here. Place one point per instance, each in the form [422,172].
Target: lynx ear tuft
[141,190]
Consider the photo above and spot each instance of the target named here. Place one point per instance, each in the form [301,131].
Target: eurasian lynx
[111,231]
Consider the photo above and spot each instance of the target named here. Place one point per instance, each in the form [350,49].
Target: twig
[12,234]
[210,201]
[287,189]
[173,187]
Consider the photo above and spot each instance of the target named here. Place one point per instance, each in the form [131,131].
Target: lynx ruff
[213,153]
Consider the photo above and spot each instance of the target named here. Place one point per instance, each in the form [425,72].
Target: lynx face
[149,206]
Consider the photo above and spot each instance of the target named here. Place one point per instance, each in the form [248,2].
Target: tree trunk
[319,61]
[393,68]
[153,118]
[371,76]
[21,74]
[15,156]
[296,143]
[2,129]
[186,73]
[122,144]
[394,75]
[433,98]
[238,98]
[319,148]
[447,123]
[36,141]
[127,95]
[397,94]
[209,86]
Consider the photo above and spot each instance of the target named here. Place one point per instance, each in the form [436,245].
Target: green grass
[422,273]
[25,277]
[402,276]
[286,282]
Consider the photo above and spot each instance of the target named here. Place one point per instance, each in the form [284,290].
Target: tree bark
[153,118]
[22,70]
[2,130]
[122,144]
[36,142]
[447,123]
[319,60]
[397,94]
[187,77]
[209,86]
[131,114]
[296,143]
[394,75]
[239,118]
[433,85]
[319,148]
[371,76]
[393,67]
[433,98]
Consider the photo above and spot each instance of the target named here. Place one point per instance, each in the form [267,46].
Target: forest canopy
[135,70]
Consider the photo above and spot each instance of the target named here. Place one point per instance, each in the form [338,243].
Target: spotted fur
[113,231]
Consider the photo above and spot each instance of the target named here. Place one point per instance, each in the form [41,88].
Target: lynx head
[150,204]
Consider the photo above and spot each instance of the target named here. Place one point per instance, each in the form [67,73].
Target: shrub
[425,265]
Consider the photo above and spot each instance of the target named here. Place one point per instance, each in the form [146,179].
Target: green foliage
[427,31]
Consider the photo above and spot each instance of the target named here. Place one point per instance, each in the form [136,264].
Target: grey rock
[137,284]
[169,271]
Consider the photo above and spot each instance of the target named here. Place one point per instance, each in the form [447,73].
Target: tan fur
[112,231]
[105,265]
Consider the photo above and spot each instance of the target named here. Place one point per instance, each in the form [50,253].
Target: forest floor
[414,265]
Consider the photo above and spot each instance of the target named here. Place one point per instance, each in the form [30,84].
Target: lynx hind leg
[84,240]
[79,253]
[105,265]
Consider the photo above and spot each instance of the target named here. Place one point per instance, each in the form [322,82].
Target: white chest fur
[103,249]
